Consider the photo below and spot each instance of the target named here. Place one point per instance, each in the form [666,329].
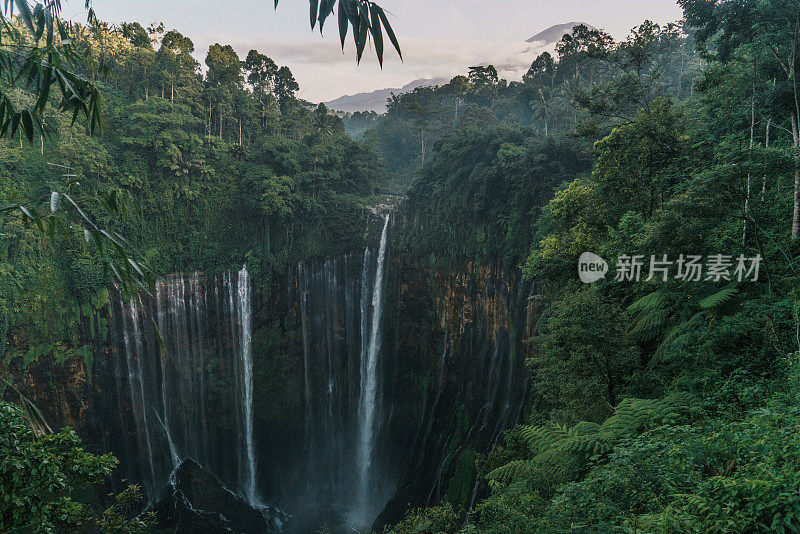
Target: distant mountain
[376,100]
[553,34]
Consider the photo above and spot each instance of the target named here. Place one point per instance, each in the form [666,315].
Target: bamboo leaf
[389,31]
[343,21]
[377,35]
[314,6]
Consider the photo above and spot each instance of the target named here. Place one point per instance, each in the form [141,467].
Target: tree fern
[650,315]
[560,454]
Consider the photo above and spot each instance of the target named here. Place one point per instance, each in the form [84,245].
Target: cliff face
[457,347]
[450,377]
[61,391]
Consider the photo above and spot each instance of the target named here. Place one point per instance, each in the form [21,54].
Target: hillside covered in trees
[428,361]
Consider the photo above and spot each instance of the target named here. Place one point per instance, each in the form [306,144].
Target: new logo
[591,268]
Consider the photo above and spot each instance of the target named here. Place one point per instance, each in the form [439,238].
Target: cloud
[419,53]
[326,72]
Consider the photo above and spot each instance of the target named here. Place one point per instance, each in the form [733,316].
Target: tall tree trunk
[766,145]
[750,147]
[796,147]
[795,139]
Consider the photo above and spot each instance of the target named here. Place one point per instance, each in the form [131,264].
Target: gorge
[396,377]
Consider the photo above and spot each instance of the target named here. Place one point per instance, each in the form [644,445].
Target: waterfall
[133,358]
[185,348]
[369,378]
[245,320]
[327,291]
[339,304]
[164,419]
[378,404]
[309,413]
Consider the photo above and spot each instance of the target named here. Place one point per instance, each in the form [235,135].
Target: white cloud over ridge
[325,72]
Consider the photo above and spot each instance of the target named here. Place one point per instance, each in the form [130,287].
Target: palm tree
[543,107]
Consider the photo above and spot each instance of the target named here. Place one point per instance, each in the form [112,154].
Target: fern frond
[538,438]
[587,445]
[719,298]
[650,315]
[510,471]
[649,325]
[656,299]
[585,428]
[629,418]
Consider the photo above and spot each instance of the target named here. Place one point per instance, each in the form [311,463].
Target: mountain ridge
[553,34]
[376,100]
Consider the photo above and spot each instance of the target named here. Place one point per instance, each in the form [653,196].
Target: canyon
[342,393]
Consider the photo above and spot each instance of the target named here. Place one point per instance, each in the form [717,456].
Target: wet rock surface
[196,501]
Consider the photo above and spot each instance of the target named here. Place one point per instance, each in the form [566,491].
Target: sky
[439,38]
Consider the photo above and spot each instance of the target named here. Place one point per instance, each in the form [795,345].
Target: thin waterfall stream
[245,326]
[369,377]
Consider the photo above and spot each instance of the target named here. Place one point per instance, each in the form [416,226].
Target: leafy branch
[114,252]
[47,62]
[366,19]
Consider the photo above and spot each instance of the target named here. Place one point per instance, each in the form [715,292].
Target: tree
[223,81]
[581,369]
[176,64]
[285,86]
[772,29]
[543,66]
[41,479]
[484,82]
[639,163]
[261,71]
[543,107]
[459,87]
[136,34]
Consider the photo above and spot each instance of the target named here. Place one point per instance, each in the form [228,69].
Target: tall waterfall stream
[369,379]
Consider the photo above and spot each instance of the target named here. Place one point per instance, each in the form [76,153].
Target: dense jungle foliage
[654,406]
[232,154]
